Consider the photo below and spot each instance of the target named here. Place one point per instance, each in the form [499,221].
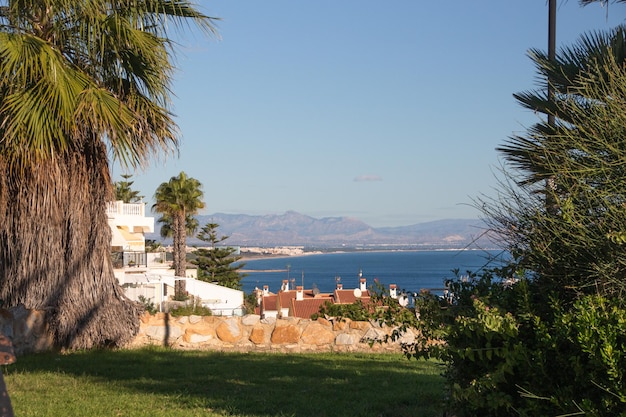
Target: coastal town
[335,208]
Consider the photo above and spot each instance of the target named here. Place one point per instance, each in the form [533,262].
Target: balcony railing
[119,208]
[123,259]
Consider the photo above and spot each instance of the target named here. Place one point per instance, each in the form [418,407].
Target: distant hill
[295,229]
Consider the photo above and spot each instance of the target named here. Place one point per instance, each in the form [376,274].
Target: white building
[149,275]
[128,223]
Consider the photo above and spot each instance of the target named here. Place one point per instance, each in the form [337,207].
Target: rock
[199,332]
[408,337]
[257,335]
[341,324]
[145,317]
[317,334]
[269,320]
[373,335]
[193,319]
[6,322]
[30,332]
[286,334]
[229,330]
[192,336]
[250,319]
[160,333]
[324,322]
[360,325]
[346,339]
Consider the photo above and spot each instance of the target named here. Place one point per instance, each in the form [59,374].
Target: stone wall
[27,329]
[253,334]
[28,332]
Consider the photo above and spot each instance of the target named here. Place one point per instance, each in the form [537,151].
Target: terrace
[128,224]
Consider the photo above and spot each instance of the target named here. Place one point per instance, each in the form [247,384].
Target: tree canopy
[544,334]
[218,264]
[124,191]
[80,80]
[179,198]
[578,244]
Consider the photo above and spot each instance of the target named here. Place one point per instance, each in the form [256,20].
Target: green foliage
[217,264]
[178,200]
[596,326]
[553,343]
[381,307]
[124,192]
[514,350]
[148,305]
[250,302]
[356,311]
[570,234]
[190,310]
[153,246]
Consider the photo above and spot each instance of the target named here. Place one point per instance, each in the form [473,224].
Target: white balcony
[130,217]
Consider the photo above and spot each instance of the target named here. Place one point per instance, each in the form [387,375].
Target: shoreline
[253,256]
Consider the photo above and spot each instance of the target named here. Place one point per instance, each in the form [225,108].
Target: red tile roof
[312,301]
[270,302]
[305,308]
[348,296]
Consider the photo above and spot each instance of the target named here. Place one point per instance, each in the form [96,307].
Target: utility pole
[551,52]
[550,184]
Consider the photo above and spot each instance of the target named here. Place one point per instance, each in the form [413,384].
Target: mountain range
[295,229]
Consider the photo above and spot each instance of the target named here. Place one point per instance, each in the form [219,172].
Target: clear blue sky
[384,111]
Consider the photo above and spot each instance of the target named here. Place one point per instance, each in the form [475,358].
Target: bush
[191,311]
[517,351]
[380,307]
[194,309]
[147,304]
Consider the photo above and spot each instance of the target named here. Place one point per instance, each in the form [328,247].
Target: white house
[128,223]
[149,275]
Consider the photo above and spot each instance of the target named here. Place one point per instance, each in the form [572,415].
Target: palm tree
[579,244]
[602,2]
[177,200]
[79,80]
[167,226]
[592,55]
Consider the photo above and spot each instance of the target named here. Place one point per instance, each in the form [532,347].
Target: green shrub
[356,311]
[380,307]
[518,351]
[191,310]
[597,328]
[147,304]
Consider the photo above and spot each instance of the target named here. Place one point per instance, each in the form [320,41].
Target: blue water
[409,270]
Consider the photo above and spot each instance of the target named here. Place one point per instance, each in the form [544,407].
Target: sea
[411,271]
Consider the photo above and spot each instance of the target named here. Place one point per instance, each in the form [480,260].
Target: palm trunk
[180,251]
[55,249]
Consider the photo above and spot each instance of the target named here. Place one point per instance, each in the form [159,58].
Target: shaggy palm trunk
[55,249]
[180,254]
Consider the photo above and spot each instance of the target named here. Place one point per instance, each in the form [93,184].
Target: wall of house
[28,331]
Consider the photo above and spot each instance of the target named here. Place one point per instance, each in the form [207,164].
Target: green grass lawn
[158,382]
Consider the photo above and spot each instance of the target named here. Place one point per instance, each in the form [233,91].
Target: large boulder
[229,330]
[288,334]
[317,334]
[257,335]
